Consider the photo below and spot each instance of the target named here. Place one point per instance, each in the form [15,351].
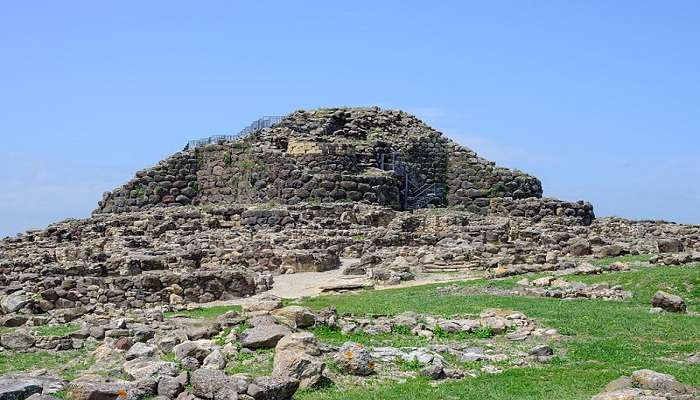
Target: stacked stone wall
[578,213]
[172,182]
[329,155]
[474,181]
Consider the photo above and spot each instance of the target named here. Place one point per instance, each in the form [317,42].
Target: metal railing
[414,193]
[264,122]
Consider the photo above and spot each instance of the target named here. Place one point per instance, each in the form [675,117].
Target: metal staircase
[414,192]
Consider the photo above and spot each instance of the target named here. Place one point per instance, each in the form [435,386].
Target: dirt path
[311,284]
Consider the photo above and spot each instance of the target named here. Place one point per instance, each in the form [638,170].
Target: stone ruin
[380,157]
[375,193]
[310,193]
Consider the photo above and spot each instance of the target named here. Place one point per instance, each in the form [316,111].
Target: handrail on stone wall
[264,122]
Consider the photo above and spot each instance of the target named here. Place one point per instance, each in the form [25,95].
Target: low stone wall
[579,212]
[45,294]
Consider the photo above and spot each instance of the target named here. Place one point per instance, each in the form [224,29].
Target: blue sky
[599,99]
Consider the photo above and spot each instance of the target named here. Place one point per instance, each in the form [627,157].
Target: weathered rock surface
[355,359]
[648,385]
[16,388]
[264,336]
[213,384]
[668,302]
[90,387]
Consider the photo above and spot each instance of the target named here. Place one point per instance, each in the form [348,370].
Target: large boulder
[141,368]
[14,302]
[272,388]
[140,350]
[295,359]
[213,384]
[300,367]
[15,388]
[646,384]
[267,302]
[264,336]
[354,359]
[668,302]
[93,387]
[300,317]
[579,247]
[652,380]
[215,359]
[172,387]
[17,340]
[198,349]
[669,246]
[299,342]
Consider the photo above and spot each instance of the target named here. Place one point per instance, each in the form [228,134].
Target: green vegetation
[240,145]
[220,340]
[257,363]
[56,330]
[140,192]
[397,339]
[246,166]
[67,363]
[359,238]
[227,159]
[681,280]
[204,312]
[413,365]
[62,394]
[497,190]
[605,339]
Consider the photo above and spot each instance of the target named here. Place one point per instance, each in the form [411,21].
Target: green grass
[680,280]
[413,365]
[61,394]
[258,363]
[220,339]
[68,364]
[396,339]
[56,330]
[203,313]
[169,357]
[400,336]
[605,339]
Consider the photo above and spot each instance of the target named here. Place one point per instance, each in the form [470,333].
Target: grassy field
[605,339]
[68,364]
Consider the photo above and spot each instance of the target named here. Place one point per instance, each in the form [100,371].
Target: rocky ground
[109,307]
[459,336]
